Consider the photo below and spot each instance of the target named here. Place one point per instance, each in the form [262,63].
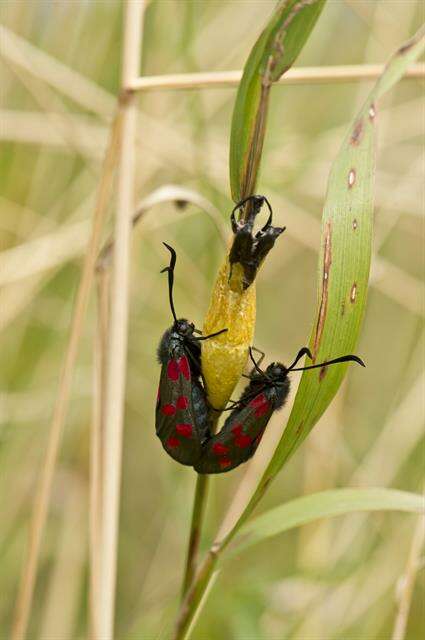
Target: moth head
[184,327]
[276,371]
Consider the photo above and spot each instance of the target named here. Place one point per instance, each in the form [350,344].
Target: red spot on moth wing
[258,400]
[242,441]
[184,429]
[224,463]
[260,411]
[173,370]
[172,443]
[168,409]
[182,402]
[220,449]
[260,404]
[237,429]
[183,363]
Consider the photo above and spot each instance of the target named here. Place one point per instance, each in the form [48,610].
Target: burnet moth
[182,410]
[181,419]
[266,392]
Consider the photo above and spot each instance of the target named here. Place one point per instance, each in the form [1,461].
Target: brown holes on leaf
[327,261]
[351,178]
[322,373]
[357,133]
[355,224]
[342,308]
[372,112]
[353,292]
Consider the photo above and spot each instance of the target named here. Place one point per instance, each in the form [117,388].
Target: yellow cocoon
[224,357]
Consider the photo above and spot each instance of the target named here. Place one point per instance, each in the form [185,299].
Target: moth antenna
[170,271]
[255,198]
[212,335]
[305,351]
[242,202]
[349,358]
[263,355]
[257,368]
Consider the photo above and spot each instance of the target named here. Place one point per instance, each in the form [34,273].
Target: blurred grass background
[333,580]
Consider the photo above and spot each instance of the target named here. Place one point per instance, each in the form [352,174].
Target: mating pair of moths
[183,413]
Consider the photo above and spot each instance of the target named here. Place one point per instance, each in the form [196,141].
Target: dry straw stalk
[299,75]
[118,317]
[44,489]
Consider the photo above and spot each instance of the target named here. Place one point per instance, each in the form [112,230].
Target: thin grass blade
[343,269]
[344,262]
[274,53]
[325,504]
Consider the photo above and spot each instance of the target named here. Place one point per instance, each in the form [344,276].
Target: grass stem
[195,596]
[44,488]
[96,449]
[118,320]
[408,581]
[199,504]
[299,75]
[198,514]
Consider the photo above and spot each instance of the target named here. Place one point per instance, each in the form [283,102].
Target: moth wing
[238,439]
[175,422]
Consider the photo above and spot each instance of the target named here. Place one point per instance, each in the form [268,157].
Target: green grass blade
[344,261]
[343,268]
[274,53]
[326,504]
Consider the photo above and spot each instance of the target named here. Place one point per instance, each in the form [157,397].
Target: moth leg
[263,355]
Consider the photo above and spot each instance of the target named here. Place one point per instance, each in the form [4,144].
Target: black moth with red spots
[181,409]
[266,392]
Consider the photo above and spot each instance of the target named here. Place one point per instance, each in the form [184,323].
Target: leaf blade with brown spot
[346,285]
[346,250]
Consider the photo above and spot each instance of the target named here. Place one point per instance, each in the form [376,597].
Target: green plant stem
[197,589]
[199,504]
[198,514]
[195,594]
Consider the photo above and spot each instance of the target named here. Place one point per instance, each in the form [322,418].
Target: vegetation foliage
[331,578]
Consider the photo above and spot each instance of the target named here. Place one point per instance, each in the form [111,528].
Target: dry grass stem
[44,488]
[20,52]
[68,573]
[408,580]
[117,347]
[168,193]
[96,449]
[300,75]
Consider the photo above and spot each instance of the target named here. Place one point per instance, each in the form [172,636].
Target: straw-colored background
[334,580]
